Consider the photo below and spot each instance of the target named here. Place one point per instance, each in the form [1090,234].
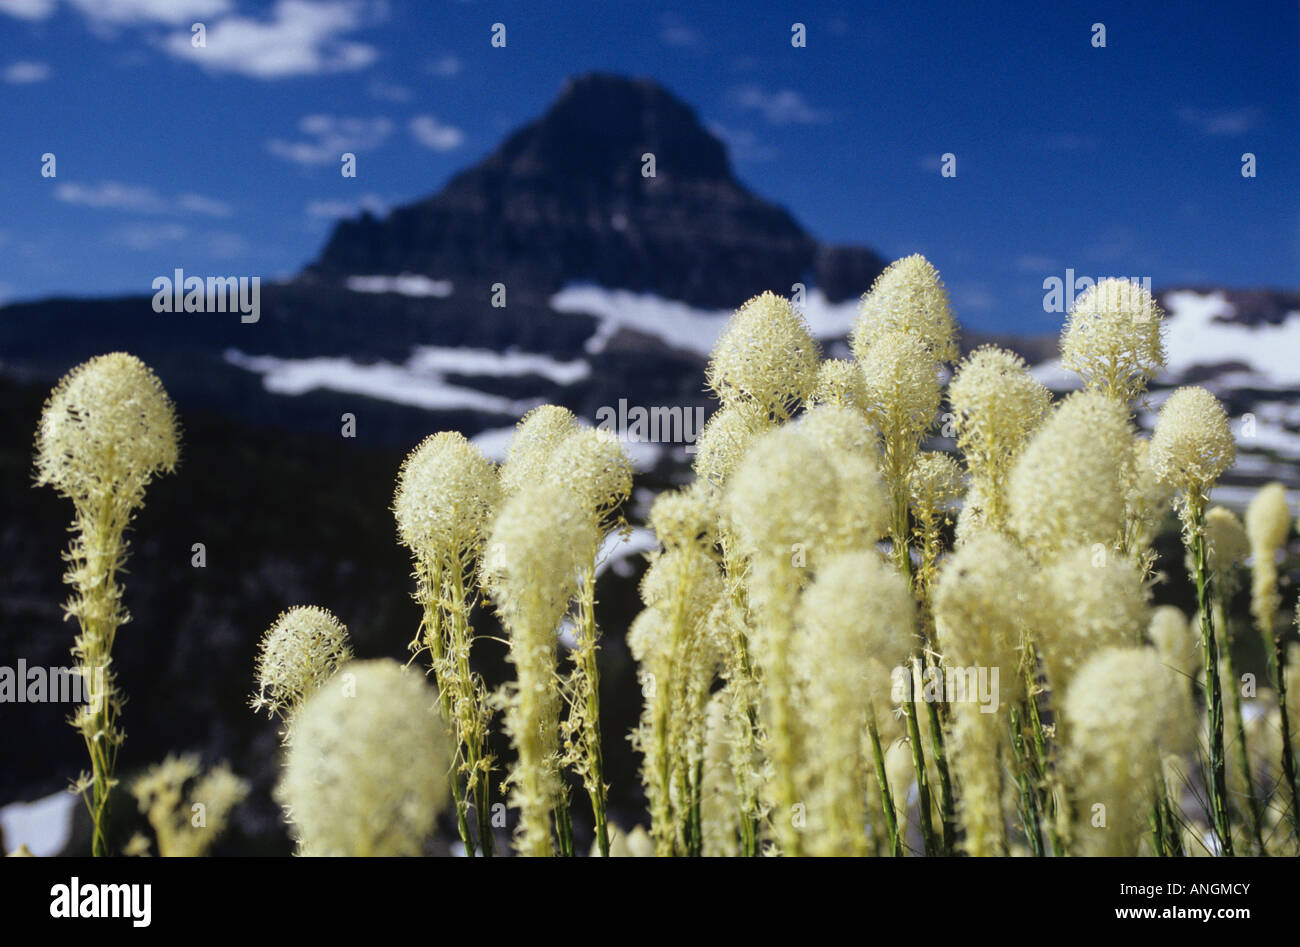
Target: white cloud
[388,92]
[110,194]
[25,71]
[743,144]
[28,9]
[333,209]
[432,133]
[134,12]
[301,38]
[783,107]
[148,236]
[1220,123]
[329,136]
[114,195]
[198,204]
[445,66]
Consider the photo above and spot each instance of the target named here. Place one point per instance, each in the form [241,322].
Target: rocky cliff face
[569,199]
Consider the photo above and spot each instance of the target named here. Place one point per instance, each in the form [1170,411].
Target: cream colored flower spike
[367,770]
[1112,338]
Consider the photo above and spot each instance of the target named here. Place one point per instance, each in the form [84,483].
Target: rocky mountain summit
[618,184]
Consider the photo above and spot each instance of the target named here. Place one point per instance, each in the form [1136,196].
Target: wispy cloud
[148,236]
[673,32]
[1033,263]
[28,9]
[445,66]
[141,12]
[743,144]
[388,91]
[155,236]
[301,38]
[431,133]
[1220,123]
[114,195]
[327,137]
[782,107]
[334,209]
[25,72]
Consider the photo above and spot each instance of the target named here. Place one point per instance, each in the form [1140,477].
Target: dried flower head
[1192,444]
[446,494]
[1112,338]
[726,437]
[1069,486]
[767,355]
[298,653]
[908,297]
[1124,714]
[537,435]
[342,795]
[840,382]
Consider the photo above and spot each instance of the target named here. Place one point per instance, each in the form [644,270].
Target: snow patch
[419,382]
[407,284]
[44,826]
[680,325]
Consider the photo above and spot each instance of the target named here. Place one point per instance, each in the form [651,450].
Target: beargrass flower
[1069,485]
[766,355]
[1112,338]
[106,431]
[996,405]
[1125,713]
[908,296]
[301,650]
[366,772]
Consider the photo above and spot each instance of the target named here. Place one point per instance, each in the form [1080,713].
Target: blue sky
[1124,160]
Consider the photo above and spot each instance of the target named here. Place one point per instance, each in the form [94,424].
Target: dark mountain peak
[572,197]
[600,127]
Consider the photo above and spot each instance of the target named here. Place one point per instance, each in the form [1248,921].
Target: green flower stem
[470,720]
[947,806]
[433,639]
[918,764]
[595,782]
[1243,752]
[1210,650]
[1288,760]
[564,825]
[887,800]
[1025,784]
